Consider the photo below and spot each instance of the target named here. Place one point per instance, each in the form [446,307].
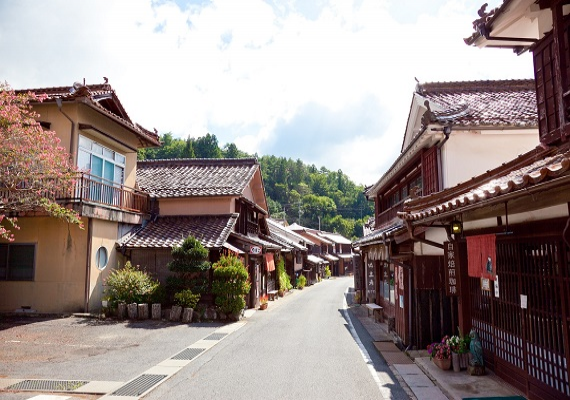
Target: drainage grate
[187,354]
[139,385]
[216,336]
[35,384]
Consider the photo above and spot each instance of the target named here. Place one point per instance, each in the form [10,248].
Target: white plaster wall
[470,153]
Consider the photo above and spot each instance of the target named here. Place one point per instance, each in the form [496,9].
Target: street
[300,347]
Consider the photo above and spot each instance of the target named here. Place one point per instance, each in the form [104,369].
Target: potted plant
[459,345]
[440,353]
[263,302]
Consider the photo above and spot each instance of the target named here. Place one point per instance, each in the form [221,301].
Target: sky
[329,82]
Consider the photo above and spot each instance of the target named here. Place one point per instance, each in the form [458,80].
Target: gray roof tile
[166,232]
[195,177]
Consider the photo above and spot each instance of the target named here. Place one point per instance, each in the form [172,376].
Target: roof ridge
[198,161]
[487,85]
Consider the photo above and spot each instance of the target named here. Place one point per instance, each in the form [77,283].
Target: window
[388,283]
[107,169]
[416,183]
[17,262]
[101,161]
[101,257]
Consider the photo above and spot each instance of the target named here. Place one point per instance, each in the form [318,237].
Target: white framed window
[101,161]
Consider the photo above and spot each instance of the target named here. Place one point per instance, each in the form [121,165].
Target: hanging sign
[255,250]
[451,265]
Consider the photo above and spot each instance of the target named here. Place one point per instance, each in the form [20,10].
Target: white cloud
[250,70]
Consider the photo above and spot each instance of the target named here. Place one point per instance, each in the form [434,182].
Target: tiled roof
[195,177]
[166,232]
[483,103]
[275,228]
[256,240]
[377,236]
[335,237]
[521,175]
[103,98]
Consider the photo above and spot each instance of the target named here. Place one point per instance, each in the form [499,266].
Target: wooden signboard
[451,265]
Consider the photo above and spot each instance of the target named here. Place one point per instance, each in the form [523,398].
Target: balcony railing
[91,189]
[389,215]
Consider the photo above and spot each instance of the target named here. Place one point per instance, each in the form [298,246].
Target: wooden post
[156,311]
[143,311]
[463,301]
[132,310]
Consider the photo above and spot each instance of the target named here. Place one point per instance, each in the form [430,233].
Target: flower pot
[460,361]
[263,306]
[444,363]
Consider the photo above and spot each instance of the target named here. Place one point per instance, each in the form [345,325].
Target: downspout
[73,139]
[88,268]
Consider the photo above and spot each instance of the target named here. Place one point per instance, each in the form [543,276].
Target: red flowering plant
[439,350]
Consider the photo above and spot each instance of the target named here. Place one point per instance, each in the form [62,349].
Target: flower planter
[444,363]
[263,306]
[460,361]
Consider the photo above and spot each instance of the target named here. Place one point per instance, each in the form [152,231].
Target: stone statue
[476,349]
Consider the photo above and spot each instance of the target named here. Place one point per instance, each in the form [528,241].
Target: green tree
[230,284]
[190,265]
[207,147]
[35,169]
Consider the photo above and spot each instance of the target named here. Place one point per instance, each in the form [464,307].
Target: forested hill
[312,197]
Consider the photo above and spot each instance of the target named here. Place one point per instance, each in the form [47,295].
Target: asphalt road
[302,346]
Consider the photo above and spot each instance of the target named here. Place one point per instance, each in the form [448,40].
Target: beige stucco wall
[197,206]
[124,144]
[59,276]
[468,154]
[104,234]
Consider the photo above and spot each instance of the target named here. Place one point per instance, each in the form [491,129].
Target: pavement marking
[169,367]
[384,391]
[49,397]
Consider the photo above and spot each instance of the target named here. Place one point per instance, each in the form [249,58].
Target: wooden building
[455,130]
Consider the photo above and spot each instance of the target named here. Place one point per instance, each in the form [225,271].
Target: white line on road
[384,391]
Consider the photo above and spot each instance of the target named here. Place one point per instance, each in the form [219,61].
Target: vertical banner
[451,265]
[370,281]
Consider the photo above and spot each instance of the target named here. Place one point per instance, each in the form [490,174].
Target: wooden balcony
[388,216]
[93,190]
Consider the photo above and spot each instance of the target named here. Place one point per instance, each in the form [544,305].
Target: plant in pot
[263,302]
[459,345]
[301,282]
[440,353]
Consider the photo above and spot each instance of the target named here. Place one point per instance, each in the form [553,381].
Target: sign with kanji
[451,265]
[370,282]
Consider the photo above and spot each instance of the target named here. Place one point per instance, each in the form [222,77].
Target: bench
[376,311]
[272,294]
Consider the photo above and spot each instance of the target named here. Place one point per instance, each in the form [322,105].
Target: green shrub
[284,280]
[230,284]
[327,272]
[187,299]
[190,267]
[130,285]
[301,281]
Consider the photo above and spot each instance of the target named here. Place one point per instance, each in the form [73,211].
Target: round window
[101,258]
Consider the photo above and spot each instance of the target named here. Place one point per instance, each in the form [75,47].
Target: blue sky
[326,81]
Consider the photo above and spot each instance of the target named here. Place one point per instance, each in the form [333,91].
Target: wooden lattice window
[430,174]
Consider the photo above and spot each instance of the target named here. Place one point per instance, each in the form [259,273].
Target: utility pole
[299,212]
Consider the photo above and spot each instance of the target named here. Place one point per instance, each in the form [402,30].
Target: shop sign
[255,250]
[451,262]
